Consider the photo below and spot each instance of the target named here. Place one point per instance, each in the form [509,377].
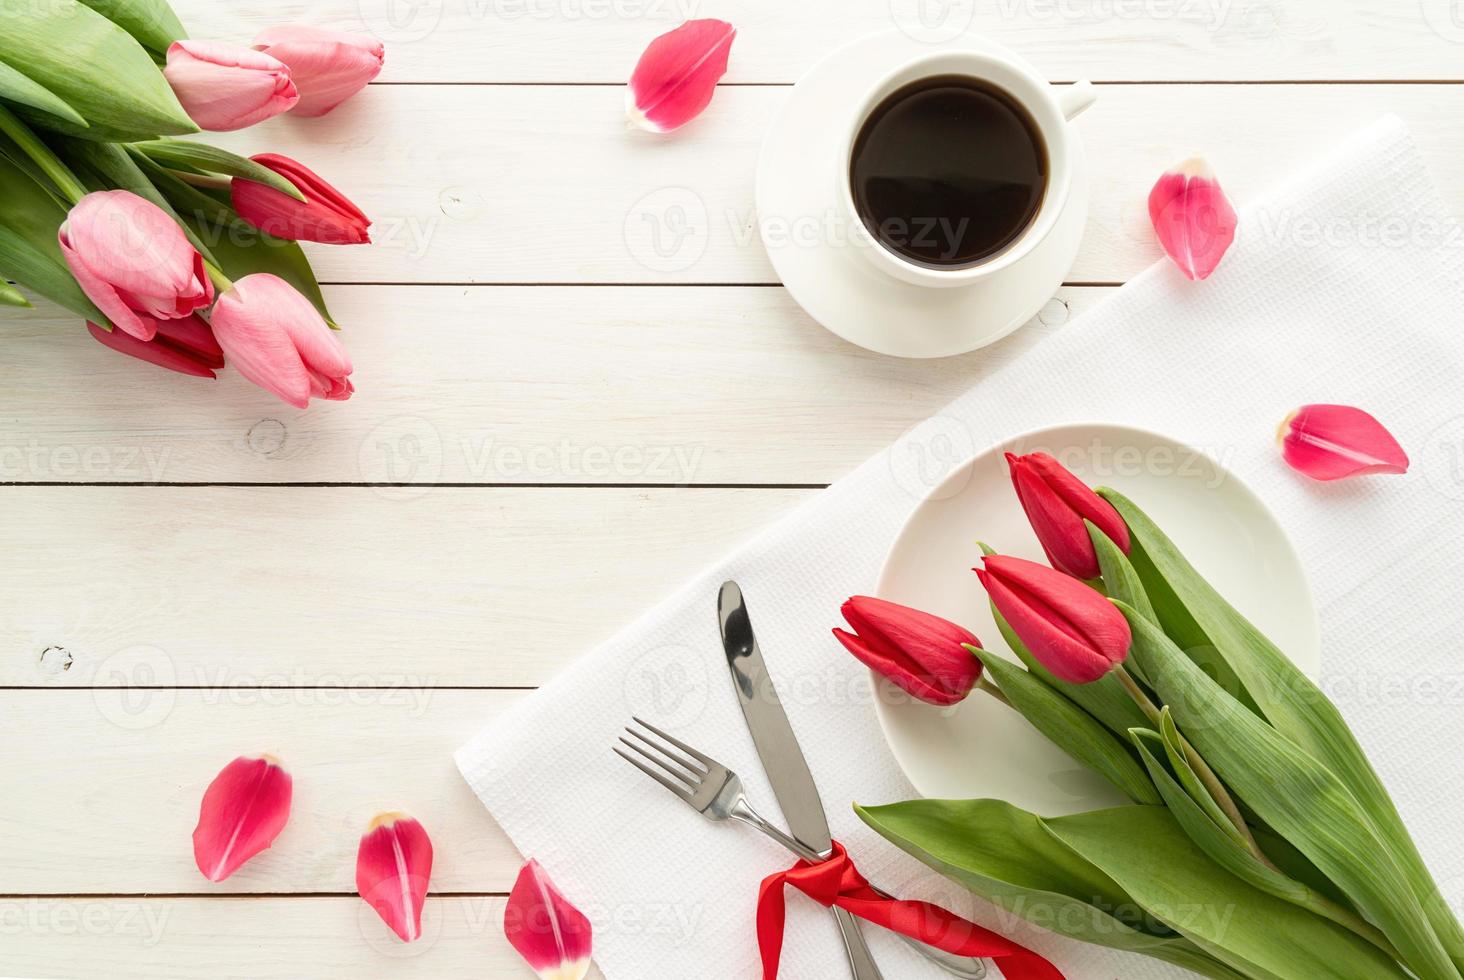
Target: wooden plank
[113,779]
[258,938]
[599,40]
[234,590]
[514,385]
[546,184]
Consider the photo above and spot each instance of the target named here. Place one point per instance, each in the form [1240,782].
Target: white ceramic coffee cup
[1050,107]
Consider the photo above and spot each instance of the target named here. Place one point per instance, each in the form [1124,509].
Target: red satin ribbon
[836,882]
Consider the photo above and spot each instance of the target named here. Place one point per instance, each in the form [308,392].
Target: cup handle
[1076,97]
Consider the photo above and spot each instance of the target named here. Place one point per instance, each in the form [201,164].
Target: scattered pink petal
[674,79]
[243,811]
[550,934]
[393,868]
[1193,218]
[1329,442]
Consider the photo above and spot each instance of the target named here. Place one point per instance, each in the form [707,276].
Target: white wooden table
[194,571]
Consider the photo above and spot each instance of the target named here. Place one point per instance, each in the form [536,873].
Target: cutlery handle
[964,967]
[861,960]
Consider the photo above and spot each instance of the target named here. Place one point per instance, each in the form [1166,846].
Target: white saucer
[799,218]
[980,748]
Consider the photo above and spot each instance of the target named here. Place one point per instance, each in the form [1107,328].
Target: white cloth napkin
[1343,286]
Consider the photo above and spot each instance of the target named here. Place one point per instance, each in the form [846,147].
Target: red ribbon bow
[836,882]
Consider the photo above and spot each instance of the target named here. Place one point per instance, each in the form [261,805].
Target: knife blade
[777,746]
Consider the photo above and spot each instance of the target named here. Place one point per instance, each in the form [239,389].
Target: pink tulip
[224,86]
[186,346]
[326,215]
[278,340]
[552,936]
[922,654]
[1057,503]
[133,261]
[328,66]
[1192,217]
[1074,632]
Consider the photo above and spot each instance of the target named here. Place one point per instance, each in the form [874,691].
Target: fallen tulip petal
[243,811]
[1329,442]
[674,80]
[552,936]
[393,868]
[1192,217]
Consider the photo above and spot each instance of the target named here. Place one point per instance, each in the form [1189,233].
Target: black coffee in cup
[948,171]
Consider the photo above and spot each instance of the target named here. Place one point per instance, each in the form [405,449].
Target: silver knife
[791,779]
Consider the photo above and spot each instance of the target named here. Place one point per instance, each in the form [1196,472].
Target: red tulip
[676,76]
[1192,217]
[552,936]
[1077,634]
[1329,442]
[186,346]
[922,654]
[328,67]
[224,86]
[326,215]
[133,261]
[1057,503]
[278,340]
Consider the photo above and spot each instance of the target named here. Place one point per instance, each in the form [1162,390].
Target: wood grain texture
[516,385]
[113,779]
[374,594]
[257,938]
[531,184]
[599,40]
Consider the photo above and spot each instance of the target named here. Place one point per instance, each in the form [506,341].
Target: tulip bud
[278,340]
[328,67]
[326,215]
[186,346]
[1057,503]
[133,261]
[1077,634]
[224,87]
[922,654]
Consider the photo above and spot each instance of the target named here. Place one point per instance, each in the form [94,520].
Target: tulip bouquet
[1259,843]
[171,250]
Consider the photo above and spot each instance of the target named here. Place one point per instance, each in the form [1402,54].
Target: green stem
[990,688]
[1202,769]
[222,283]
[42,154]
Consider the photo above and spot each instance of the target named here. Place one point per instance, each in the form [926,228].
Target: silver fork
[715,792]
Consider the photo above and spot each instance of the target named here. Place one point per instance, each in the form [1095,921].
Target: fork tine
[680,792]
[681,761]
[709,763]
[693,781]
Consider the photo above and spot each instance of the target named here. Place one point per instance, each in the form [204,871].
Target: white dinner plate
[816,256]
[981,748]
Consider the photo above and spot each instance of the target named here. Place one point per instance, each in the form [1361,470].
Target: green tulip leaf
[30,218]
[62,45]
[211,159]
[1070,728]
[17,88]
[1146,853]
[10,296]
[152,22]
[1297,796]
[1220,843]
[1196,616]
[1173,748]
[1005,855]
